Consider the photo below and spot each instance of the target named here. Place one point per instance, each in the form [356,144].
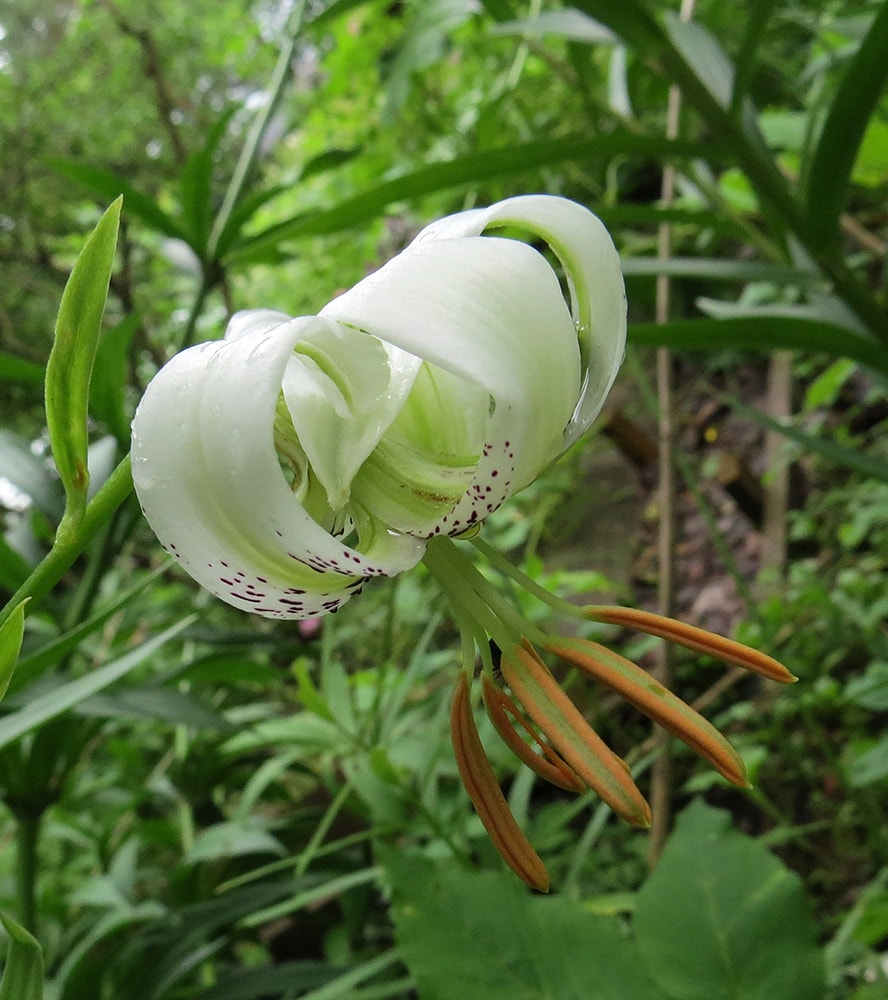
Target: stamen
[552,766]
[655,701]
[573,737]
[698,639]
[487,796]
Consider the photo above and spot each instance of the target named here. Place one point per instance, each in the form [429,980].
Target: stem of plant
[116,488]
[27,835]
[260,123]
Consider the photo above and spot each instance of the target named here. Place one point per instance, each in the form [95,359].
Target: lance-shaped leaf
[70,365]
[12,632]
[852,108]
[23,975]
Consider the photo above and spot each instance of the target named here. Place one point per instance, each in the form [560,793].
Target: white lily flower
[287,463]
[292,460]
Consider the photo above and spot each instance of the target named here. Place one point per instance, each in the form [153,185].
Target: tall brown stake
[661,770]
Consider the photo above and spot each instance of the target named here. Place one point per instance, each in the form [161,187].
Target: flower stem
[27,834]
[67,548]
[500,562]
[250,151]
[446,564]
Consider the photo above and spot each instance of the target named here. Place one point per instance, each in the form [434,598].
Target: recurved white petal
[489,310]
[210,482]
[595,281]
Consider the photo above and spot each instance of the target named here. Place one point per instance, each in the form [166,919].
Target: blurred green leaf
[163,704]
[346,984]
[278,980]
[12,631]
[327,888]
[871,689]
[336,9]
[568,23]
[14,369]
[842,455]
[70,365]
[631,20]
[871,165]
[106,186]
[725,270]
[53,651]
[196,189]
[824,390]
[479,934]
[704,55]
[107,392]
[761,333]
[745,63]
[467,170]
[330,159]
[865,766]
[829,174]
[76,965]
[721,919]
[14,570]
[23,975]
[231,840]
[67,695]
[30,473]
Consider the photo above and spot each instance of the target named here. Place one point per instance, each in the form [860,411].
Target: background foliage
[198,805]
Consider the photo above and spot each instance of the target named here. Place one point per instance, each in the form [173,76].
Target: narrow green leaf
[66,696]
[70,365]
[232,839]
[336,9]
[106,185]
[196,189]
[745,63]
[12,631]
[842,455]
[281,979]
[23,975]
[14,369]
[30,473]
[242,212]
[467,170]
[703,53]
[716,267]
[761,333]
[571,24]
[344,986]
[853,106]
[328,889]
[107,394]
[631,20]
[14,569]
[152,701]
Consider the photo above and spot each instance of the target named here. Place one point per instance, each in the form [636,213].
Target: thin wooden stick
[661,771]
